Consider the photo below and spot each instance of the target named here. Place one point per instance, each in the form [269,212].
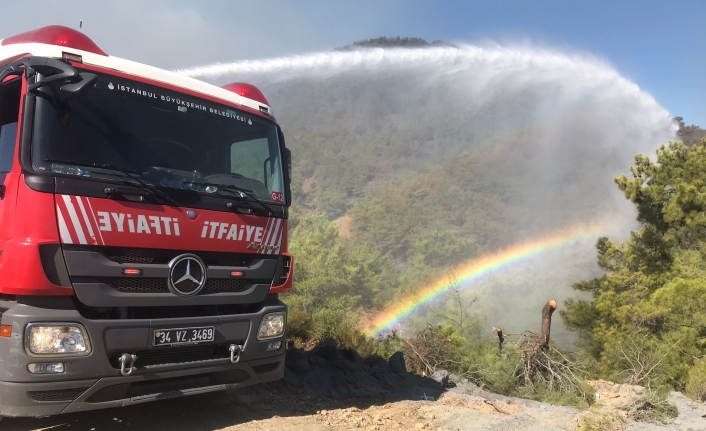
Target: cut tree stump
[501,339]
[547,311]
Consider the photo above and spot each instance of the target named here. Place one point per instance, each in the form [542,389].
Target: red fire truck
[143,230]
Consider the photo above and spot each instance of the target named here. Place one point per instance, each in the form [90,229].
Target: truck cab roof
[63,42]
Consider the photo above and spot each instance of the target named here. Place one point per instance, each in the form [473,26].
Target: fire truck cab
[143,230]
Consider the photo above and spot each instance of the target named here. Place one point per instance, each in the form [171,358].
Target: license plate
[175,337]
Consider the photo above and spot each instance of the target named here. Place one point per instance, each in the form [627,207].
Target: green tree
[334,277]
[646,319]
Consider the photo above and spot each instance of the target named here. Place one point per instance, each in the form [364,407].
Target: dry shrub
[434,348]
[696,381]
[299,324]
[599,421]
[551,376]
[654,407]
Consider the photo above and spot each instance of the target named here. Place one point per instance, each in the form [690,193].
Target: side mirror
[56,74]
[87,81]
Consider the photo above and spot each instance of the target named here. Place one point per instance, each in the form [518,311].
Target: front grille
[58,395]
[159,285]
[138,284]
[157,312]
[175,355]
[160,256]
[225,284]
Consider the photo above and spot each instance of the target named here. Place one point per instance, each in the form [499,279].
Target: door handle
[2,192]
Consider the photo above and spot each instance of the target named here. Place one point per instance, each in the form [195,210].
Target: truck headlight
[57,339]
[272,326]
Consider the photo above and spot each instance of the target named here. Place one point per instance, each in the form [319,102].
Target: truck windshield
[169,139]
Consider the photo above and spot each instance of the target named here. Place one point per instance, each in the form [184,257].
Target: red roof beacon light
[56,35]
[247,90]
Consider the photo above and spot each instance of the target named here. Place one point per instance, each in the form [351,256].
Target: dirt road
[270,409]
[332,390]
[256,409]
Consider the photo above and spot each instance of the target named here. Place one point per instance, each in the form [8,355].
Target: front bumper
[94,381]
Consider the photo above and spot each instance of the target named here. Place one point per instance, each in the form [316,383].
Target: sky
[659,45]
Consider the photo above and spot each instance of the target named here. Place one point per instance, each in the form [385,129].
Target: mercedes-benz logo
[187,275]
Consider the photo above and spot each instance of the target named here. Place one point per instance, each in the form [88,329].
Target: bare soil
[328,389]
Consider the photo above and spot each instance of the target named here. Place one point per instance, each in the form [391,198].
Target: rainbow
[476,269]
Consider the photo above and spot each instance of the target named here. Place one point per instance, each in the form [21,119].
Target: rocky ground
[328,389]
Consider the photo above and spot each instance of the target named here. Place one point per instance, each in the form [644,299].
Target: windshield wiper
[241,193]
[154,191]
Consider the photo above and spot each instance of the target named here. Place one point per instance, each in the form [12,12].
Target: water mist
[558,127]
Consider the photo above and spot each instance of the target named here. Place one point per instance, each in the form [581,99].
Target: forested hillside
[406,167]
[390,42]
[421,169]
[690,135]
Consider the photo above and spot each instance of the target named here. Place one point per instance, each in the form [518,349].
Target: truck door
[9,114]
